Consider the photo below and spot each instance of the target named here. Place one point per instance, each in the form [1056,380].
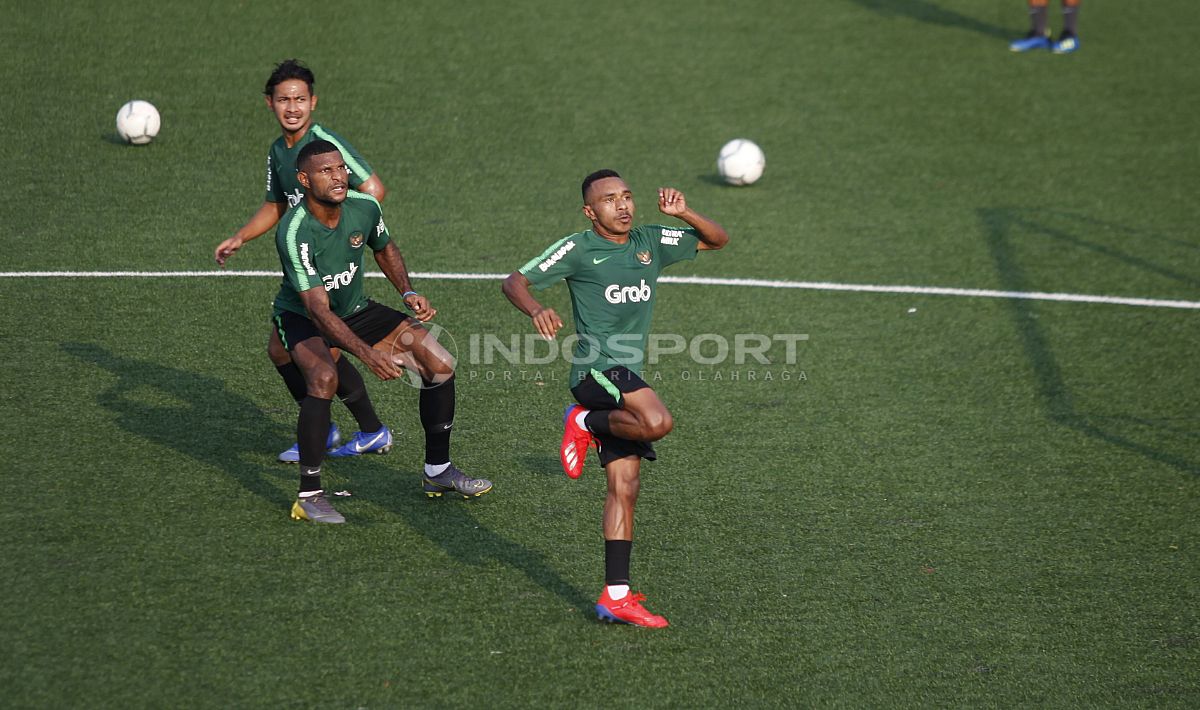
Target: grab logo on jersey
[335,281]
[616,293]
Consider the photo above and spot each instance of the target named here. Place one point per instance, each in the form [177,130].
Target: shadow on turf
[200,417]
[448,522]
[194,414]
[933,14]
[999,224]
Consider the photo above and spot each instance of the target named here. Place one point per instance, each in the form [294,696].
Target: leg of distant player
[315,361]
[1068,41]
[419,351]
[1039,35]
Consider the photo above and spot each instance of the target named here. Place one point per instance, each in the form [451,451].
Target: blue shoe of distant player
[1030,42]
[292,455]
[379,442]
[1067,43]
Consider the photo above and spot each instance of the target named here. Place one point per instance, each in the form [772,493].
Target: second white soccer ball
[741,162]
[138,122]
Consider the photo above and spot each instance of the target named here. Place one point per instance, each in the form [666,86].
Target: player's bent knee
[322,382]
[658,424]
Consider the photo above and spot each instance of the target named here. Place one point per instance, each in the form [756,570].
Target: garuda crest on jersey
[643,257]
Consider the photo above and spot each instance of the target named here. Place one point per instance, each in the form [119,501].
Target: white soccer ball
[137,122]
[741,162]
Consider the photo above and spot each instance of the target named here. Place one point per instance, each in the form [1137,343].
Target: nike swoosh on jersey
[600,261]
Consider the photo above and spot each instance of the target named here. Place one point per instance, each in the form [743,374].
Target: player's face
[609,205]
[293,105]
[326,179]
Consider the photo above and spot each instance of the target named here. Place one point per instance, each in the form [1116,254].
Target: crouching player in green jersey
[321,305]
[612,272]
[289,94]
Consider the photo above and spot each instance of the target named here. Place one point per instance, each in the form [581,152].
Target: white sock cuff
[617,592]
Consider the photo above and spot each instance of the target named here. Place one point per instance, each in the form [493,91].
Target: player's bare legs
[372,436]
[315,361]
[624,482]
[642,417]
[412,346]
[617,602]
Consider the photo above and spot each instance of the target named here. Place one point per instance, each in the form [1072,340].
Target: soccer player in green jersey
[612,272]
[289,95]
[321,305]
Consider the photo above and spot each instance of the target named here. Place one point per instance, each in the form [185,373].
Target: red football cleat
[628,610]
[575,443]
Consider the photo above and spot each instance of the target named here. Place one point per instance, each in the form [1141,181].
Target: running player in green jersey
[289,95]
[612,272]
[321,305]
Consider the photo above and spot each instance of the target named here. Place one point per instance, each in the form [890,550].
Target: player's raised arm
[672,203]
[391,262]
[259,224]
[517,288]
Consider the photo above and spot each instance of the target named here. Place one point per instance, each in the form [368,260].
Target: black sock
[1037,19]
[616,561]
[353,393]
[312,431]
[437,418]
[597,421]
[1070,17]
[310,479]
[294,379]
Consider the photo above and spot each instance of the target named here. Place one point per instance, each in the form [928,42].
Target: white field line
[702,280]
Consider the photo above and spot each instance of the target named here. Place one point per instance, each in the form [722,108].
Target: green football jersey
[612,289]
[282,183]
[313,254]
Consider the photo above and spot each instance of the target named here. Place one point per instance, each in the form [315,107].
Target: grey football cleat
[454,481]
[316,509]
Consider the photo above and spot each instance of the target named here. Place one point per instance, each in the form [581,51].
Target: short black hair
[598,175]
[289,69]
[317,147]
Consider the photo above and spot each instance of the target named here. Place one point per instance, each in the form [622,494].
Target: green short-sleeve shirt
[612,288]
[282,184]
[314,255]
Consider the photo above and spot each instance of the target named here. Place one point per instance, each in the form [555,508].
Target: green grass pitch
[963,502]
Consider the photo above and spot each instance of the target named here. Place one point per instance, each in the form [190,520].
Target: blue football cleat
[1030,42]
[379,442]
[1066,44]
[292,455]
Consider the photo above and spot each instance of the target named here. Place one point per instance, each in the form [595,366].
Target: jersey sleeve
[379,235]
[556,263]
[674,244]
[296,252]
[274,189]
[360,170]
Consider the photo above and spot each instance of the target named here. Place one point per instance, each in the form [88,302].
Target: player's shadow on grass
[999,225]
[448,522]
[193,414]
[200,417]
[934,14]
